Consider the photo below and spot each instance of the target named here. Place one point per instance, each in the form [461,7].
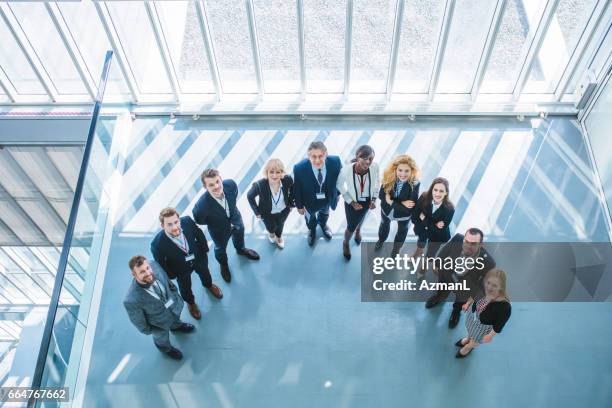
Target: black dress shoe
[459,355]
[249,253]
[174,353]
[459,343]
[312,236]
[184,328]
[454,319]
[225,273]
[379,244]
[326,232]
[432,302]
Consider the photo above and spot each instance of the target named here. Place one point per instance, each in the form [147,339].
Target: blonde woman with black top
[487,316]
[275,192]
[358,183]
[431,217]
[398,195]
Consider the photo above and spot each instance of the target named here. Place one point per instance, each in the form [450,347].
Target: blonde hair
[273,164]
[501,276]
[389,176]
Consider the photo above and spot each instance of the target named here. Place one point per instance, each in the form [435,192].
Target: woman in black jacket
[398,194]
[431,217]
[275,192]
[486,317]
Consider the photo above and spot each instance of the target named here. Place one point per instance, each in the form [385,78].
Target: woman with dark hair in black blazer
[431,217]
[275,193]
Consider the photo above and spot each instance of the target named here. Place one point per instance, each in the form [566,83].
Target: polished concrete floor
[291,329]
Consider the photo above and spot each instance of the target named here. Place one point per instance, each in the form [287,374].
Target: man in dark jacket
[315,188]
[462,247]
[181,248]
[217,209]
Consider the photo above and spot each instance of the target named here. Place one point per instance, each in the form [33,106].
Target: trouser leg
[184,284]
[323,216]
[280,223]
[204,274]
[238,234]
[221,251]
[311,220]
[384,228]
[161,338]
[402,231]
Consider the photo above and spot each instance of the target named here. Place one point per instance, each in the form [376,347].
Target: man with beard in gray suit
[154,305]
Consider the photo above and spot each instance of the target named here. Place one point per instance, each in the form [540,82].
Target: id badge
[189,257]
[320,196]
[362,199]
[169,303]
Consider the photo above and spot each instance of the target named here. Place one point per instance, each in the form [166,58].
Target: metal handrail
[63,261]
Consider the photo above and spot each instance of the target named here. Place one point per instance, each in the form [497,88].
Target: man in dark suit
[154,306]
[181,248]
[468,246]
[315,188]
[217,209]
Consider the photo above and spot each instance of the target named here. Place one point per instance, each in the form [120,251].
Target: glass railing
[63,338]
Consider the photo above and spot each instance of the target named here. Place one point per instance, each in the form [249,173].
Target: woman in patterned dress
[487,316]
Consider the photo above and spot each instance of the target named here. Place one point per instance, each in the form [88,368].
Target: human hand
[372,205]
[487,338]
[301,211]
[356,206]
[408,203]
[258,216]
[440,224]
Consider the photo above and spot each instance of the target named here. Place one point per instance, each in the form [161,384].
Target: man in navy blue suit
[181,248]
[217,209]
[315,188]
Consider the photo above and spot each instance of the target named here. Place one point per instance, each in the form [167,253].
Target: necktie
[320,180]
[157,288]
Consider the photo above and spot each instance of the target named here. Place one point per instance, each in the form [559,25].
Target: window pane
[231,39]
[417,46]
[179,21]
[277,35]
[15,65]
[519,19]
[46,41]
[87,31]
[468,31]
[137,38]
[371,46]
[324,29]
[567,25]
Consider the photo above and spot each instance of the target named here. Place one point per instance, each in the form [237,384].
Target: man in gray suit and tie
[154,305]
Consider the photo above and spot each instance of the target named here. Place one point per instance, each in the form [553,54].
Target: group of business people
[180,247]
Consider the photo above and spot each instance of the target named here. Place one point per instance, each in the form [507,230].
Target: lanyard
[280,194]
[361,181]
[322,181]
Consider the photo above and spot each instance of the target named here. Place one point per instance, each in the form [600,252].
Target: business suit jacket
[147,312]
[473,276]
[305,185]
[208,212]
[409,192]
[172,259]
[261,188]
[428,226]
